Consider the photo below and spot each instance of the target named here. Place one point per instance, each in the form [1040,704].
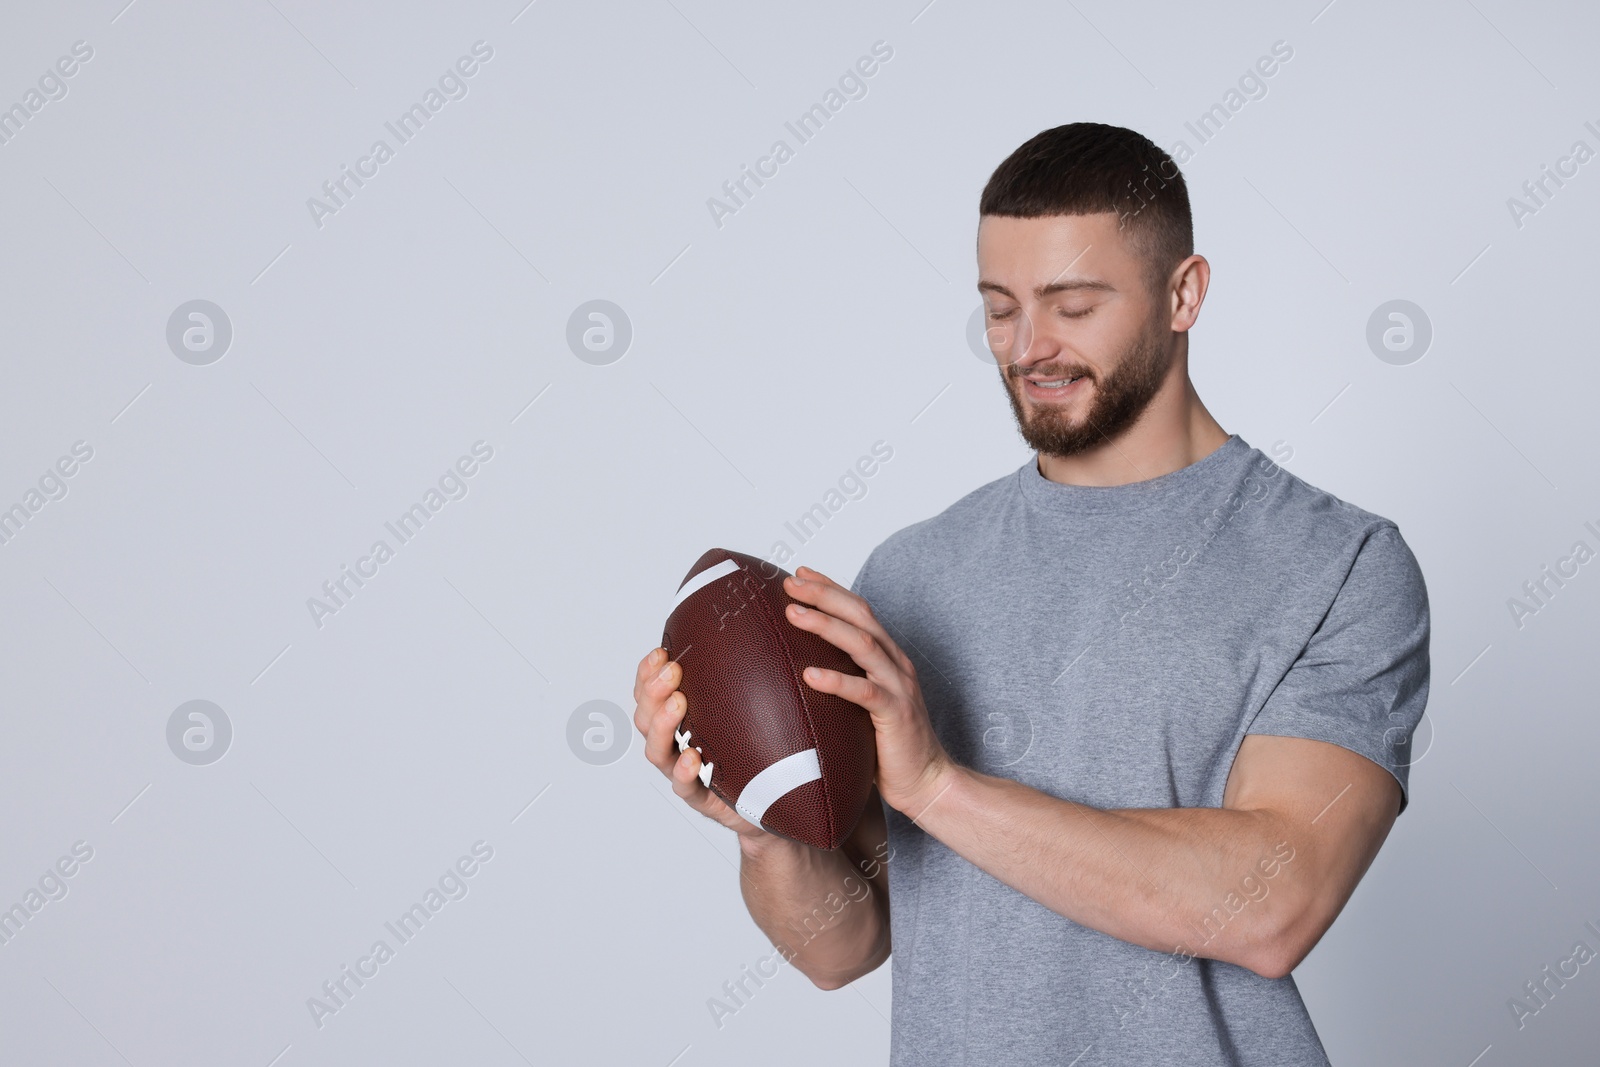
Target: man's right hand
[784,883]
[659,709]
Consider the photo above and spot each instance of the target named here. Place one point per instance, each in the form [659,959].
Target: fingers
[655,680]
[863,692]
[659,712]
[845,621]
[685,775]
[651,665]
[660,708]
[660,748]
[823,593]
[647,667]
[869,653]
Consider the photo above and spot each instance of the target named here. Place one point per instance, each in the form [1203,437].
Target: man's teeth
[1055,383]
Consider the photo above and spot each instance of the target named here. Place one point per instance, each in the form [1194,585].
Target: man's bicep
[1334,808]
[1305,780]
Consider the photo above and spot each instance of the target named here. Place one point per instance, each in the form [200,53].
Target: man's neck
[1172,433]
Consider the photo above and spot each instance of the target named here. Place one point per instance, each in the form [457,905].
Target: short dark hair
[1086,168]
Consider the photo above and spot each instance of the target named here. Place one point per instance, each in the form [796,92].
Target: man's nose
[1031,344]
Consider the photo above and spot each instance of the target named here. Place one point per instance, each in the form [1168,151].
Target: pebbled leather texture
[749,707]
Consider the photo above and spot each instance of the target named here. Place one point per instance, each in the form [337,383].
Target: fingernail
[800,609]
[665,670]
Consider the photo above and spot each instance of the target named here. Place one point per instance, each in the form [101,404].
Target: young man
[1142,706]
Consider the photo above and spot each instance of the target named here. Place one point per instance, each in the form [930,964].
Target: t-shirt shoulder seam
[1366,522]
[966,501]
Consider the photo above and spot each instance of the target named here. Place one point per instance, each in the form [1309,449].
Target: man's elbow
[839,979]
[1278,955]
[830,980]
[1274,961]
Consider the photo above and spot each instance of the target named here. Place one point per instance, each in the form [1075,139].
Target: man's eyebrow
[1042,291]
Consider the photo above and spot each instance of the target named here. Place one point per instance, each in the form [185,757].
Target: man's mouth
[1054,387]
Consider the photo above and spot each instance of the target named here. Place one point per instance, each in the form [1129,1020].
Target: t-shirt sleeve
[1362,680]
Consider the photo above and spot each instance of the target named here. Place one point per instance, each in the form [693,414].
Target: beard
[1120,397]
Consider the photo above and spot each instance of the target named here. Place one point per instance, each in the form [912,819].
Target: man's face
[1082,343]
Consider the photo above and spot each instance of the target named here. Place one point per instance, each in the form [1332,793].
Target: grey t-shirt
[1113,646]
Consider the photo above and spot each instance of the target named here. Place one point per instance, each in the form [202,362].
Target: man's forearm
[1154,877]
[822,913]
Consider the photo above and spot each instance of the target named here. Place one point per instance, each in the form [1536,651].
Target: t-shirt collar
[1056,496]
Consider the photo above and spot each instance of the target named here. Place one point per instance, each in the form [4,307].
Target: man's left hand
[912,765]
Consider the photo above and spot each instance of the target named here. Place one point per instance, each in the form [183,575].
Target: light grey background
[767,354]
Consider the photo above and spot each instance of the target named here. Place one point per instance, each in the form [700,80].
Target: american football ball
[793,760]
